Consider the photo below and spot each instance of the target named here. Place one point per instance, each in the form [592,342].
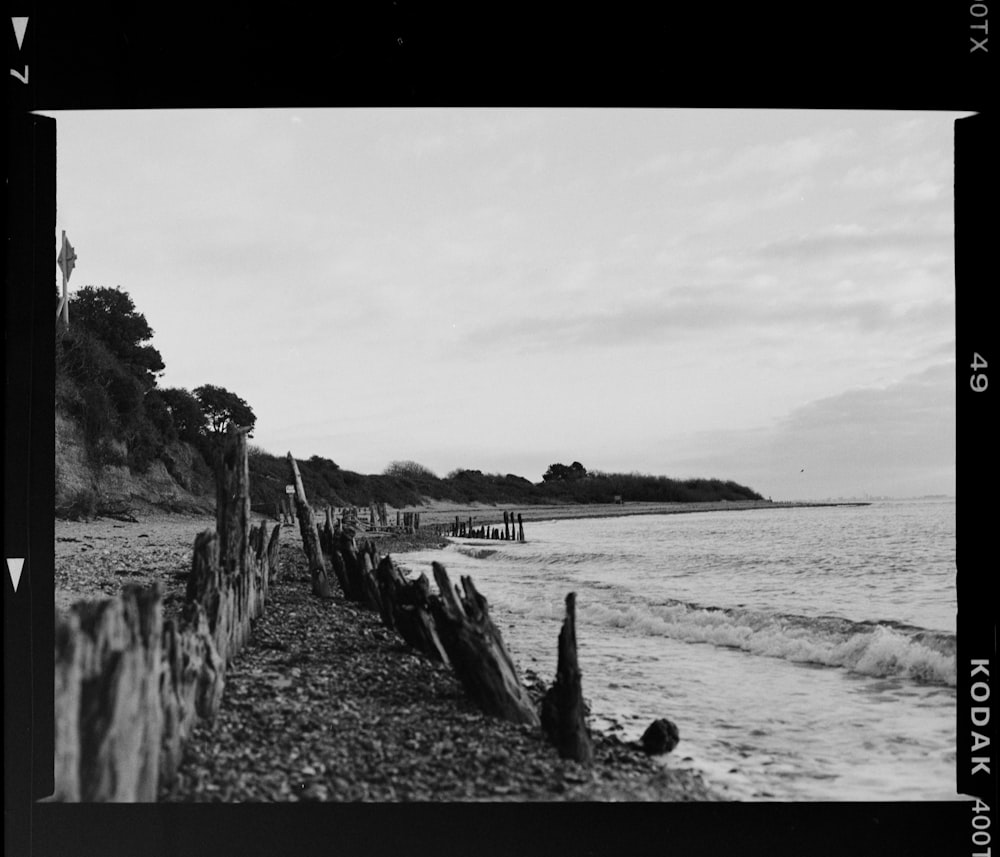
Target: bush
[409,470]
[82,505]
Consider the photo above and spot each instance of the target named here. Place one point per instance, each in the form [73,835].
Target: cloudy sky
[763,296]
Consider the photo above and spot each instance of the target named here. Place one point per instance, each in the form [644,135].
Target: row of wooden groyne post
[129,686]
[513,529]
[452,626]
[373,518]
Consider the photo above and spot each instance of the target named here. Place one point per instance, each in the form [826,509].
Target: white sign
[289,489]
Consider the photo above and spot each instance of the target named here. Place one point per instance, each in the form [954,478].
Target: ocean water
[804,654]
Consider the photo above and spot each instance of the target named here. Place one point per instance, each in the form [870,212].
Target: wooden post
[232,502]
[192,684]
[66,759]
[120,719]
[563,719]
[520,528]
[506,533]
[310,536]
[405,609]
[477,652]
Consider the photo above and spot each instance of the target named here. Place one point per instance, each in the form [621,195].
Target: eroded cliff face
[101,483]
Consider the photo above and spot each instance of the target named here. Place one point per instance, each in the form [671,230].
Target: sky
[757,295]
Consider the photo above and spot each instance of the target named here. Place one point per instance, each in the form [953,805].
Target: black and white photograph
[428,453]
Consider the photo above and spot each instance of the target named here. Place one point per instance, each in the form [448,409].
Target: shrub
[409,470]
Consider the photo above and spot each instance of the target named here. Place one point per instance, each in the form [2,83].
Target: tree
[560,472]
[111,316]
[221,408]
[185,413]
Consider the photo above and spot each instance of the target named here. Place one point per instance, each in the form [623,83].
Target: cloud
[787,157]
[844,241]
[896,439]
[752,309]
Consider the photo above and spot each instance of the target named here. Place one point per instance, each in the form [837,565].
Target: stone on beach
[660,737]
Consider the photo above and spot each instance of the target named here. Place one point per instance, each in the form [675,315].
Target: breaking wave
[869,648]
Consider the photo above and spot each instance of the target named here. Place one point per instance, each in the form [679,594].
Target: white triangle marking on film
[14,566]
[20,25]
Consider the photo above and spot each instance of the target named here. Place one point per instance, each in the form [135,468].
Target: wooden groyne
[129,686]
[454,626]
[470,528]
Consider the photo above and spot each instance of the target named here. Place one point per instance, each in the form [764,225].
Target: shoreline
[439,513]
[325,704]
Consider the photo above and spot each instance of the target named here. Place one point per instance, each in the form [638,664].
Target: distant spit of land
[435,512]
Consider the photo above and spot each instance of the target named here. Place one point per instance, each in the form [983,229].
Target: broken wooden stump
[563,713]
[108,672]
[191,684]
[345,556]
[320,578]
[66,758]
[263,565]
[231,568]
[406,610]
[232,501]
[219,595]
[477,651]
[128,690]
[371,597]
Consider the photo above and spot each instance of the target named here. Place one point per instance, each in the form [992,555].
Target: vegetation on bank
[106,382]
[404,484]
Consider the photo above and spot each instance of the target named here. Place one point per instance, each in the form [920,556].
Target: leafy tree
[111,316]
[222,408]
[560,472]
[185,413]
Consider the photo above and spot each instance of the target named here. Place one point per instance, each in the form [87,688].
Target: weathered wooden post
[506,533]
[232,502]
[520,528]
[563,718]
[477,651]
[405,608]
[117,654]
[310,536]
[225,579]
[66,760]
[191,685]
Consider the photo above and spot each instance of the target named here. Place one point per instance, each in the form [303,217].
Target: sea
[805,654]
